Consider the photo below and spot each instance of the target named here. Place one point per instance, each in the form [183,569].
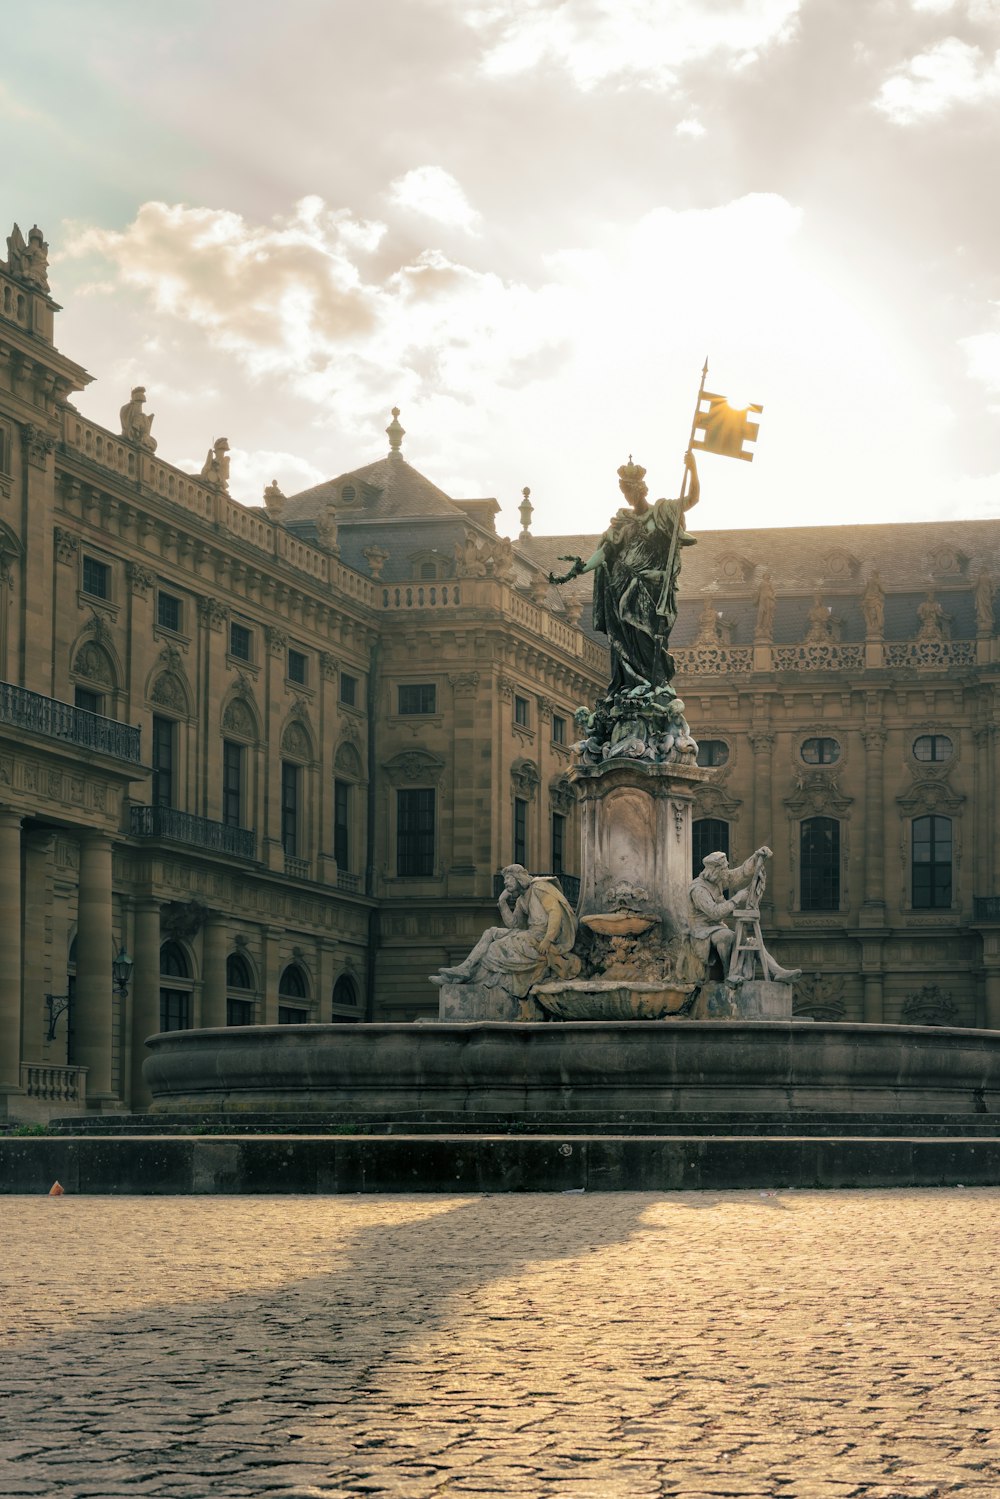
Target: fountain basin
[611,999]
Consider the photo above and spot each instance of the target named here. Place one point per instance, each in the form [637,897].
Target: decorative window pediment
[931,793]
[930,1005]
[713,800]
[947,562]
[839,565]
[820,996]
[168,691]
[348,762]
[414,767]
[562,795]
[525,776]
[93,663]
[734,570]
[817,793]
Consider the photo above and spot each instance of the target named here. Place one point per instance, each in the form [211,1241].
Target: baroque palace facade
[280,754]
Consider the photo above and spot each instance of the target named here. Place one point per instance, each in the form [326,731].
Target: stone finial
[631,478]
[395,433]
[28,262]
[274,500]
[525,510]
[215,469]
[376,557]
[326,530]
[136,424]
[539,588]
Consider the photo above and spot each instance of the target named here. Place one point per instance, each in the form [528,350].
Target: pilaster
[94,953]
[10,956]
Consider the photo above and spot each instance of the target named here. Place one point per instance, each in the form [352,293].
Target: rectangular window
[239,1012]
[164,733]
[90,702]
[96,578]
[290,808]
[558,729]
[932,860]
[709,835]
[168,611]
[175,1010]
[521,711]
[819,864]
[232,783]
[520,830]
[342,824]
[558,841]
[418,697]
[240,642]
[415,832]
[289,1015]
[297,663]
[348,689]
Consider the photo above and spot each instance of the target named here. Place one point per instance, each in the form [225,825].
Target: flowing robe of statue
[635,597]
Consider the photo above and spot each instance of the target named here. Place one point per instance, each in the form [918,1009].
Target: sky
[527,223]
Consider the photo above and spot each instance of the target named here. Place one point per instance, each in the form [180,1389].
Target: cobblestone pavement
[798,1344]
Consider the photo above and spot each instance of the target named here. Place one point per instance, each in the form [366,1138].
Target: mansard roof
[384,490]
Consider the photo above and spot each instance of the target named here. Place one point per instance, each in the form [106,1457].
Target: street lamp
[121,972]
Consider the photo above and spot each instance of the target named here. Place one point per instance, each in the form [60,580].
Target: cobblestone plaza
[789,1345]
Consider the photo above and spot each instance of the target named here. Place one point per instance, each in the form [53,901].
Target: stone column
[92,1015]
[213,956]
[145,993]
[874,883]
[872,974]
[10,956]
[993,999]
[762,744]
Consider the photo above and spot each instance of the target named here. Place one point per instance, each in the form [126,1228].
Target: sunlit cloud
[689,126]
[645,41]
[437,195]
[951,74]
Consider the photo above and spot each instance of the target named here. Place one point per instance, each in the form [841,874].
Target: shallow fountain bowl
[611,999]
[619,923]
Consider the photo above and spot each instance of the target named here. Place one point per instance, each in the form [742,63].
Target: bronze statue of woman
[635,580]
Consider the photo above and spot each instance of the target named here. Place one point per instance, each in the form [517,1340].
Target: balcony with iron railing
[196,832]
[47,715]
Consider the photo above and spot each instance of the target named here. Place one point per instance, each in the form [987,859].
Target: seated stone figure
[534,942]
[708,904]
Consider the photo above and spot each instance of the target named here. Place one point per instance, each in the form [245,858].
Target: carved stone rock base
[477,1002]
[757,999]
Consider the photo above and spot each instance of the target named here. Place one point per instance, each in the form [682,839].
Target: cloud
[294,298]
[251,471]
[951,74]
[437,195]
[650,41]
[689,126]
[982,353]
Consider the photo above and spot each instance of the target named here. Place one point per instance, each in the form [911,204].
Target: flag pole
[664,596]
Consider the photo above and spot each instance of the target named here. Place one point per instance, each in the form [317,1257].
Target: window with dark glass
[240,642]
[168,611]
[520,830]
[342,824]
[712,752]
[931,862]
[239,1009]
[348,689]
[819,864]
[415,832]
[175,1002]
[521,711]
[290,807]
[232,783]
[558,841]
[296,666]
[164,736]
[345,993]
[96,578]
[418,697]
[709,835]
[558,729]
[292,985]
[932,747]
[90,702]
[820,751]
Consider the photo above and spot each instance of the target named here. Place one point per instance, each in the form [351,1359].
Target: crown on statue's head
[630,479]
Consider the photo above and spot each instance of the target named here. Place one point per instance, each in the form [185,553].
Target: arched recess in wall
[346,1000]
[95,675]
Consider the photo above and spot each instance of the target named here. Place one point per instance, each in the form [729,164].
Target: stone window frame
[299,655]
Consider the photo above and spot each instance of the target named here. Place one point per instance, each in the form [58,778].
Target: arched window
[345,996]
[819,864]
[709,835]
[292,985]
[931,862]
[239,1006]
[176,994]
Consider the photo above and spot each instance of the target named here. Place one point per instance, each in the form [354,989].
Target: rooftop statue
[136,425]
[28,262]
[635,570]
[215,469]
[535,941]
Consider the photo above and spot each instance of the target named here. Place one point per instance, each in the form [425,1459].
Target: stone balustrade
[54,1085]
